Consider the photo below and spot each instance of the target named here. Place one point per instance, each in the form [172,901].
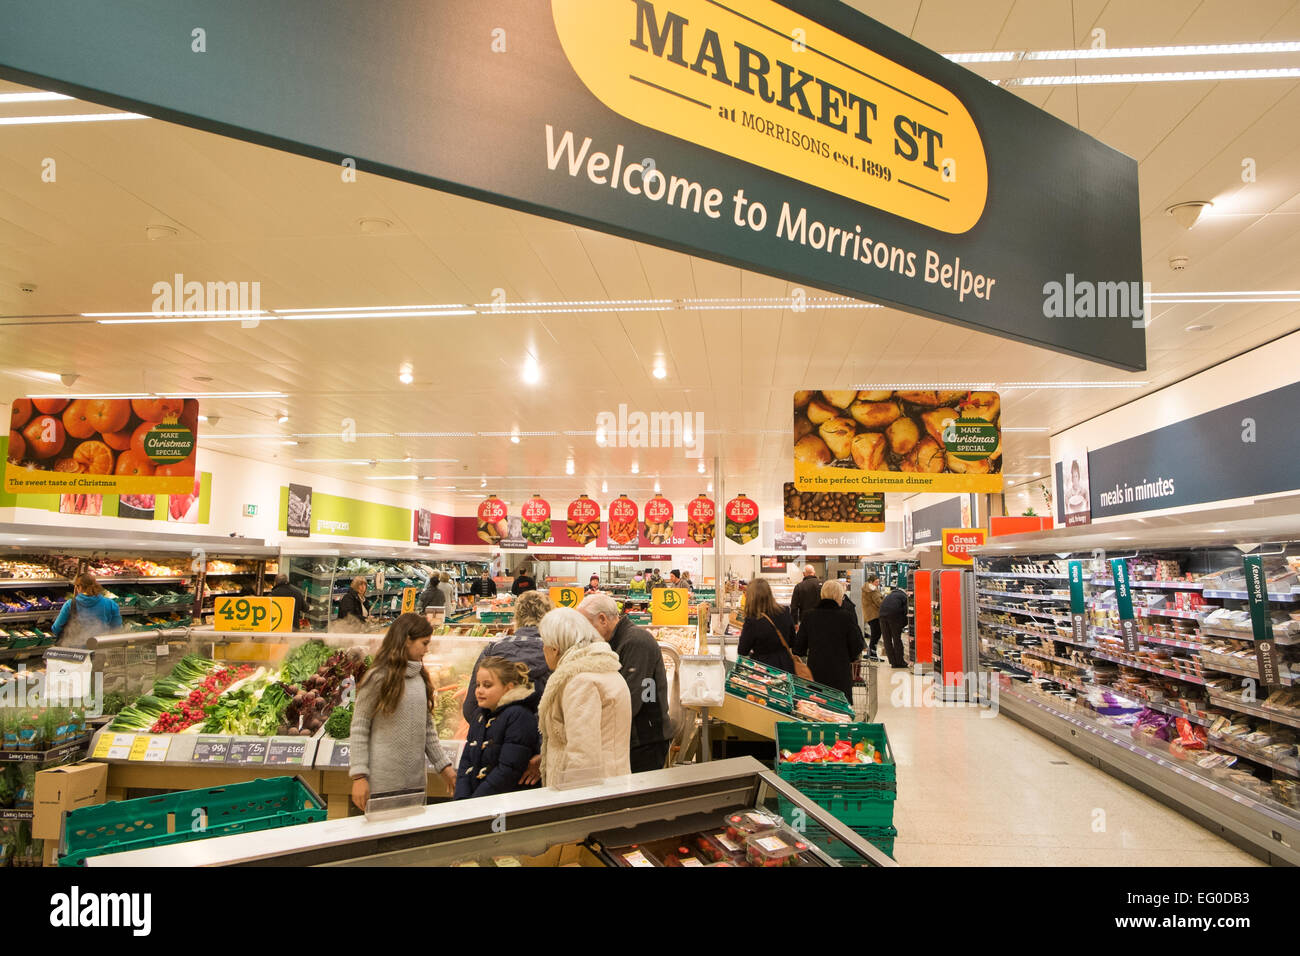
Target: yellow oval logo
[772,88]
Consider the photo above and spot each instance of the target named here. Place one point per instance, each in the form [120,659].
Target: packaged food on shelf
[775,848]
[743,824]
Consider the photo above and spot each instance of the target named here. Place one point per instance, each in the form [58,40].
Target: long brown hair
[87,585]
[759,600]
[390,663]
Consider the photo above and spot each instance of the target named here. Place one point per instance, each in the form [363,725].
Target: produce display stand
[547,827]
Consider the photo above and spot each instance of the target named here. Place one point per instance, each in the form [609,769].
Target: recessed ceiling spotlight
[636,469]
[568,466]
[1187,214]
[514,437]
[1200,327]
[701,468]
[601,436]
[284,418]
[407,458]
[405,375]
[660,371]
[656,486]
[710,487]
[156,232]
[374,226]
[532,373]
[604,487]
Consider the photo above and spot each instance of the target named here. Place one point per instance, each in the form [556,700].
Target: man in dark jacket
[807,594]
[284,589]
[483,585]
[432,595]
[647,681]
[893,616]
[523,582]
[831,639]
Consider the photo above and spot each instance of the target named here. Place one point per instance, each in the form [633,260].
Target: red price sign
[742,510]
[659,510]
[493,509]
[700,509]
[584,509]
[622,510]
[537,509]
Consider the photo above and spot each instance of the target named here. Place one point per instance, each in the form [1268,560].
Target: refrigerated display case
[546,827]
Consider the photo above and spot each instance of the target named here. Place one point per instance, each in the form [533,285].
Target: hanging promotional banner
[622,525]
[833,510]
[536,523]
[1261,620]
[957,543]
[423,526]
[298,511]
[1078,606]
[1076,502]
[800,139]
[492,524]
[1124,602]
[897,441]
[136,446]
[791,542]
[346,517]
[742,520]
[583,526]
[700,520]
[658,520]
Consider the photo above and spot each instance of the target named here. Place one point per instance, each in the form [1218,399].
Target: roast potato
[869,451]
[985,405]
[903,434]
[935,421]
[929,456]
[801,426]
[869,396]
[951,398]
[820,411]
[875,415]
[959,467]
[812,450]
[801,399]
[840,399]
[838,434]
[928,399]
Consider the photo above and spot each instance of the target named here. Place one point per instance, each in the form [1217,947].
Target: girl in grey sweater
[392,722]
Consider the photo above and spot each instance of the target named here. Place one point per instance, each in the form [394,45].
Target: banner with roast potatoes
[116,446]
[850,511]
[906,441]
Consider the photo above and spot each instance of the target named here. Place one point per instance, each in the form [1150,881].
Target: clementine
[20,412]
[50,406]
[177,468]
[129,463]
[69,466]
[137,438]
[95,456]
[45,436]
[76,419]
[17,446]
[190,416]
[109,414]
[118,441]
[157,409]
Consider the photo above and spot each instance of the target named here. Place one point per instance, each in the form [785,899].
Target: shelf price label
[1124,601]
[250,750]
[253,613]
[670,606]
[286,751]
[211,750]
[1261,621]
[341,755]
[113,746]
[1078,609]
[566,597]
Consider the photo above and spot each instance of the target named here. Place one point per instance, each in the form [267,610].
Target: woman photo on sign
[1076,492]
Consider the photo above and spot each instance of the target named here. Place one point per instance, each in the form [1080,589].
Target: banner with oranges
[144,445]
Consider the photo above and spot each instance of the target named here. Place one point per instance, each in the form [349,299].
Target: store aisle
[976,790]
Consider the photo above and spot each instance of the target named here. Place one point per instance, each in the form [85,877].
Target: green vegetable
[303,661]
[339,724]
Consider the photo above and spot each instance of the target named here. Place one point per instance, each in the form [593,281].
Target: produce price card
[114,747]
[150,748]
[286,751]
[211,750]
[341,755]
[250,750]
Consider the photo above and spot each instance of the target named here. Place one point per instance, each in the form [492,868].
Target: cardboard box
[63,789]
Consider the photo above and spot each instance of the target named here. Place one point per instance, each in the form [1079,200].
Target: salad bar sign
[112,446]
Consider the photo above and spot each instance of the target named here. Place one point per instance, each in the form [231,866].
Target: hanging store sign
[139,446]
[1078,605]
[622,525]
[536,525]
[700,520]
[742,519]
[833,510]
[297,511]
[847,440]
[1124,602]
[583,526]
[566,596]
[928,523]
[799,139]
[957,544]
[423,526]
[492,524]
[670,606]
[336,516]
[658,527]
[1261,619]
[253,613]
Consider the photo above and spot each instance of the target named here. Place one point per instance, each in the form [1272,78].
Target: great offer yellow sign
[670,606]
[772,88]
[957,543]
[253,613]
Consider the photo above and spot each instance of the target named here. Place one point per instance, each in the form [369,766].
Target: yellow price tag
[138,746]
[103,745]
[566,597]
[253,613]
[409,596]
[114,747]
[670,606]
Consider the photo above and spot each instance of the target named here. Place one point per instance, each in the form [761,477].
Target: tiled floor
[976,790]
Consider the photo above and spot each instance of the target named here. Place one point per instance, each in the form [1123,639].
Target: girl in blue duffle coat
[503,735]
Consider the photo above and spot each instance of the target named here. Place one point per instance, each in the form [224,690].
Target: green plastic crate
[821,690]
[882,838]
[149,822]
[794,735]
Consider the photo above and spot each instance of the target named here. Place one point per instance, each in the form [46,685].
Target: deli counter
[625,821]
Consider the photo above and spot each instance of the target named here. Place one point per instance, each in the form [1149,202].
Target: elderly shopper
[831,639]
[585,714]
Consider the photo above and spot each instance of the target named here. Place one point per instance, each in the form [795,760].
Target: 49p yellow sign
[253,613]
[772,88]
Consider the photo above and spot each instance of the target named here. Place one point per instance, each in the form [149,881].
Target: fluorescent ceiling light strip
[210,437]
[436,434]
[1138,52]
[912,386]
[220,394]
[421,314]
[393,477]
[1039,457]
[502,306]
[1033,385]
[1094,79]
[1166,295]
[1242,301]
[173,321]
[70,118]
[1025,429]
[41,97]
[378,308]
[332,461]
[184,313]
[992,56]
